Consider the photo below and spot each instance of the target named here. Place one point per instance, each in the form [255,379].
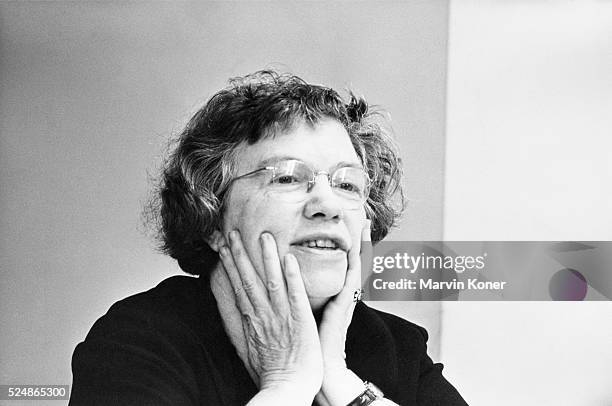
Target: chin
[323,283]
[323,271]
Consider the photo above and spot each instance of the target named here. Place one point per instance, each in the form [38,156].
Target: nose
[322,202]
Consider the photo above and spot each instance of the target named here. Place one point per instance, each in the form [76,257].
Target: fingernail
[233,235]
[223,251]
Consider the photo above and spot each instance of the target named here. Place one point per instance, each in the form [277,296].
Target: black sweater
[167,346]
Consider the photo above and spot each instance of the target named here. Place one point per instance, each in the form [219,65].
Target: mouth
[321,243]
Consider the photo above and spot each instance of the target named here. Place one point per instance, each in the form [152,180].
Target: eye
[285,179]
[349,187]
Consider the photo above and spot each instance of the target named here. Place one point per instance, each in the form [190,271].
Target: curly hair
[188,202]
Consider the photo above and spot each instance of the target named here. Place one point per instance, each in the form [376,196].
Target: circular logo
[567,284]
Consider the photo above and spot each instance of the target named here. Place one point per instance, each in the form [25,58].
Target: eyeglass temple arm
[266,168]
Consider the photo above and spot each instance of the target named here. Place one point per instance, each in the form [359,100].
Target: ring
[357,295]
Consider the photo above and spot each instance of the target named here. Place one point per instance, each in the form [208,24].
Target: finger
[367,249]
[353,274]
[251,282]
[346,298]
[277,291]
[296,292]
[242,301]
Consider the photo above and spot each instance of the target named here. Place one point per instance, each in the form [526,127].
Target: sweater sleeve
[125,360]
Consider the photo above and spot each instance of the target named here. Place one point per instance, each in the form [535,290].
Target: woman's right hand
[283,350]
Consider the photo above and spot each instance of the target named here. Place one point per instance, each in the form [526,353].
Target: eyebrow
[275,159]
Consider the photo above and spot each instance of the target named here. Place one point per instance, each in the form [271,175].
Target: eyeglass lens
[292,179]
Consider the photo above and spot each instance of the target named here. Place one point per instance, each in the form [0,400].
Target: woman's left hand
[340,384]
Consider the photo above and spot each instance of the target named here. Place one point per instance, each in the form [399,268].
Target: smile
[322,241]
[325,244]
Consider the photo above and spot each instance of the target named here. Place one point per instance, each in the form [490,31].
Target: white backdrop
[528,158]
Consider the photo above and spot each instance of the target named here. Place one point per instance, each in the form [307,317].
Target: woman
[269,195]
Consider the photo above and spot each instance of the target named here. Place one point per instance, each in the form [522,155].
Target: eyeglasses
[291,180]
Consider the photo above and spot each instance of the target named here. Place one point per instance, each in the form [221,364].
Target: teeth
[319,244]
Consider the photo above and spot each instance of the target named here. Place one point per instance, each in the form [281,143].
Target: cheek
[278,218]
[266,213]
[355,222]
[253,214]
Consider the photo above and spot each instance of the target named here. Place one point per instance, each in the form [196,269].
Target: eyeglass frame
[312,182]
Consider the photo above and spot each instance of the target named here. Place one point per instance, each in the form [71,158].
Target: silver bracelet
[371,396]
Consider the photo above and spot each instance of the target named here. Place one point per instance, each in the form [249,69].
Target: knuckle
[295,296]
[260,316]
[273,285]
[249,289]
[248,286]
[264,319]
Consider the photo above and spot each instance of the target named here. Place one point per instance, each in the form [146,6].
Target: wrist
[334,364]
[340,386]
[291,381]
[283,394]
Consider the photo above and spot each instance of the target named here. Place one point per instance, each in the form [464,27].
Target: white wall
[529,120]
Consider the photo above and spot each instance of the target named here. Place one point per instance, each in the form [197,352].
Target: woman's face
[252,209]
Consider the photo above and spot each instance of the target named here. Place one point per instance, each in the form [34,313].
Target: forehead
[322,146]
